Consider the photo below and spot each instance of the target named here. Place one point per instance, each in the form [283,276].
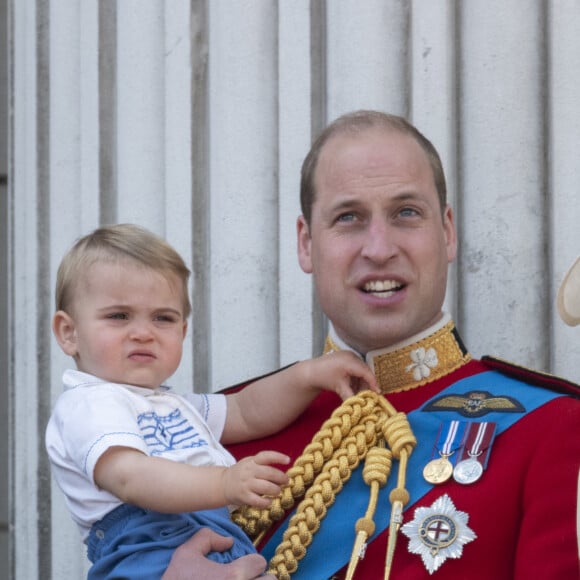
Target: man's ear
[304,245]
[63,327]
[450,234]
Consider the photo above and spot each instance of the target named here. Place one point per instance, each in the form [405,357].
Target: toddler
[142,467]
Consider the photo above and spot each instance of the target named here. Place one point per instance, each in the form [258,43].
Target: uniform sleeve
[86,422]
[547,546]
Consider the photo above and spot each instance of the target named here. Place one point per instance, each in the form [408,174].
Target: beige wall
[192,117]
[4,428]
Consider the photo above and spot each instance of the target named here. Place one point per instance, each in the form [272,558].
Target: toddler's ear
[63,327]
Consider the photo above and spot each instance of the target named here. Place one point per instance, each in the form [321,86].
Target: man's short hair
[355,123]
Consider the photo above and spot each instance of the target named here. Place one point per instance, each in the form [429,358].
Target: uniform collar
[423,358]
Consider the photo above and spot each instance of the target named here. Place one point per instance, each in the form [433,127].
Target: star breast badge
[438,532]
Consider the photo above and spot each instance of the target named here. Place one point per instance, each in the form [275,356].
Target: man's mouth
[382,288]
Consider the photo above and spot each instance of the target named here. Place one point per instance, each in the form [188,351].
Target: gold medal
[438,470]
[449,439]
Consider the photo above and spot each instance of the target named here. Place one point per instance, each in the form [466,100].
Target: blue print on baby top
[165,433]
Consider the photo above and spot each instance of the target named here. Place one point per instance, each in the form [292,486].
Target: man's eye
[346,217]
[408,212]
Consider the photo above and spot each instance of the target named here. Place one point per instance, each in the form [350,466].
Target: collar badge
[422,362]
[438,532]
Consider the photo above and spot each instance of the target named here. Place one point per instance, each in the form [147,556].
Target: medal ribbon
[479,439]
[451,436]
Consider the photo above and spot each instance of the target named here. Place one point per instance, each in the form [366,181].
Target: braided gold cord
[331,435]
[306,521]
[326,464]
[321,494]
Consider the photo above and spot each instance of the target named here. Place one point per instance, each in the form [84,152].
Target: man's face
[377,246]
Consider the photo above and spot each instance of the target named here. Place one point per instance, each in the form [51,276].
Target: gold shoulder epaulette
[533,376]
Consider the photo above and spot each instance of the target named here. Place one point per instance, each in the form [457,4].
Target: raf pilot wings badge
[475,404]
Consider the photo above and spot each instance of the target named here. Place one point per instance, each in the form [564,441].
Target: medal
[438,532]
[475,454]
[450,438]
[467,471]
[438,470]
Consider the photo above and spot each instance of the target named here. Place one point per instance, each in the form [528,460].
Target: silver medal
[467,471]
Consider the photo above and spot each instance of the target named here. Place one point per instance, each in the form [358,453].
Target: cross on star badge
[438,532]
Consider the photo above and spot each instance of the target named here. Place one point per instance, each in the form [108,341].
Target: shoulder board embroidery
[532,376]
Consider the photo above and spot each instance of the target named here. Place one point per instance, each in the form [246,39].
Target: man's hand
[189,561]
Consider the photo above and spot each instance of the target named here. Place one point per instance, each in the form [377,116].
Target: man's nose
[379,242]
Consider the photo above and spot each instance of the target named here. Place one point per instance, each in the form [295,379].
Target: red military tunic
[522,510]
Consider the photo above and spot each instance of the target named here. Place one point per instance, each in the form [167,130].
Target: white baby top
[92,415]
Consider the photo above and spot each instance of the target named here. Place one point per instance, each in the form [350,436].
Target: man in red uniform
[492,480]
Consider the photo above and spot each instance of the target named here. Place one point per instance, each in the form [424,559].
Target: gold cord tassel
[375,474]
[401,440]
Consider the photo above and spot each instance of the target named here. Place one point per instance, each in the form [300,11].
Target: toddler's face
[128,324]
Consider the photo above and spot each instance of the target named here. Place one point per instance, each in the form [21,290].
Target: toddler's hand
[253,478]
[342,372]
